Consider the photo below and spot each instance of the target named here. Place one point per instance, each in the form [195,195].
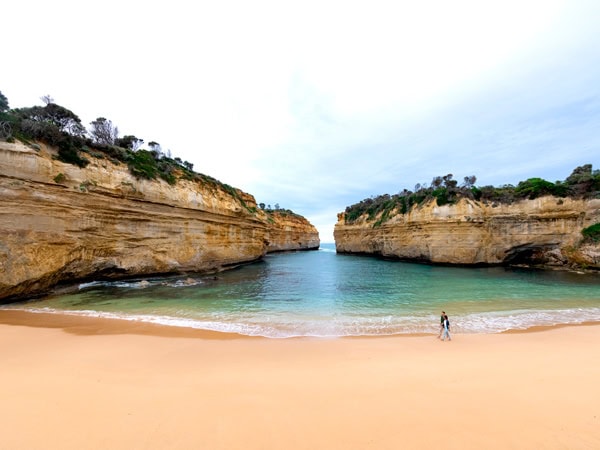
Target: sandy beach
[85,383]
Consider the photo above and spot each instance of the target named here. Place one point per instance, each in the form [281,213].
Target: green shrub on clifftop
[143,165]
[538,187]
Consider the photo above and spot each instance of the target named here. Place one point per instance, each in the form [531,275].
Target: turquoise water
[321,293]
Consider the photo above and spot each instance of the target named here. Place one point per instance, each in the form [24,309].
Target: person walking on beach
[441,325]
[446,327]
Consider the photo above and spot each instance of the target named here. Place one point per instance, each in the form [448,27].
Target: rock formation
[61,223]
[544,231]
[289,231]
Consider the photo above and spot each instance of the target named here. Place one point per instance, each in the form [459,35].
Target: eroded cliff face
[290,232]
[60,223]
[542,231]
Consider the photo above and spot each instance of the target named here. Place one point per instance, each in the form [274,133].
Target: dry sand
[83,383]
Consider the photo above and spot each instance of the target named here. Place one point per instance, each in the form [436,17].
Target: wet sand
[71,382]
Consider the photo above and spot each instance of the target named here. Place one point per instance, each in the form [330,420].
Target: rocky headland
[61,223]
[544,232]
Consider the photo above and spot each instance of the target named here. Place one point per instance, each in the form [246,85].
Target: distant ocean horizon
[324,294]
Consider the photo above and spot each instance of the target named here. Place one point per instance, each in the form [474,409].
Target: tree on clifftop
[469,182]
[49,122]
[47,99]
[103,131]
[155,147]
[54,125]
[129,141]
[3,102]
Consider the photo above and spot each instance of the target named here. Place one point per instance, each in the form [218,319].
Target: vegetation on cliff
[3,103]
[59,127]
[280,212]
[591,233]
[582,183]
[277,210]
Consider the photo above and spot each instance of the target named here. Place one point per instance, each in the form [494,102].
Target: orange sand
[82,383]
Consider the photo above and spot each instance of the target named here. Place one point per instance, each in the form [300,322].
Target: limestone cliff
[544,231]
[61,223]
[288,231]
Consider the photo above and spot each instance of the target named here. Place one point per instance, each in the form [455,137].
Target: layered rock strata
[542,231]
[288,231]
[61,223]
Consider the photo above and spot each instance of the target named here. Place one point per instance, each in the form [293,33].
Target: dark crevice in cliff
[529,254]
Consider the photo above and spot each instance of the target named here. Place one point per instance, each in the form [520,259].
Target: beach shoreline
[85,325]
[82,382]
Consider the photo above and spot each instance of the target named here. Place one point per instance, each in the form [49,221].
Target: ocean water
[321,293]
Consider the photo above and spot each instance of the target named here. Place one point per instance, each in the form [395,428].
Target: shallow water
[321,293]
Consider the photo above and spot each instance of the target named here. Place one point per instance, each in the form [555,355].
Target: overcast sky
[318,105]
